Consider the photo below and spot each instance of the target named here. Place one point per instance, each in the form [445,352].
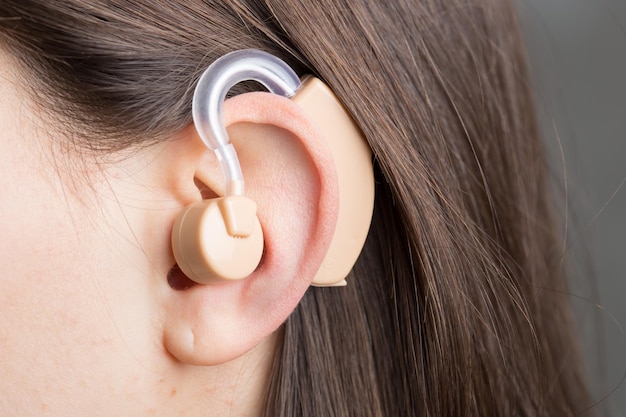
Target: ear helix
[222,239]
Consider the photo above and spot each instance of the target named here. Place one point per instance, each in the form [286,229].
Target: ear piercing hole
[177,280]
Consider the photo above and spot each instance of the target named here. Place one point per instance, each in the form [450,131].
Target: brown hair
[455,307]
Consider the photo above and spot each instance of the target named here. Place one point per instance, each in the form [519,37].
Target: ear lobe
[290,174]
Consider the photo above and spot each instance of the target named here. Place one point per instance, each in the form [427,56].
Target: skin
[83,279]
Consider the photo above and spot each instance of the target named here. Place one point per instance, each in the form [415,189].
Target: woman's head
[454,305]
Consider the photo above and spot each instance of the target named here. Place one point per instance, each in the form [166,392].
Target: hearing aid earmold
[222,239]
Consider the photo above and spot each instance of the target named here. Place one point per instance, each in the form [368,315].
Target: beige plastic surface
[205,250]
[239,214]
[353,161]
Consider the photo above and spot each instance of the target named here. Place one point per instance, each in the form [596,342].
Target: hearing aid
[222,239]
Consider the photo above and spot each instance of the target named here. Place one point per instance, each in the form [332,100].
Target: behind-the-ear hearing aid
[222,239]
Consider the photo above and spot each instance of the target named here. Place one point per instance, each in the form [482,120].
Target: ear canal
[218,239]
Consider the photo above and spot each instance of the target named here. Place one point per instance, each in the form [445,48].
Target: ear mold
[218,239]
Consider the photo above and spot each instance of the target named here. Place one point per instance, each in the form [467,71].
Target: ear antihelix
[221,239]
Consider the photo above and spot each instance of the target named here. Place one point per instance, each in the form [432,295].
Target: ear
[290,174]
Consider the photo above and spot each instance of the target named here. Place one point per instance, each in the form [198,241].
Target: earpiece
[218,239]
[222,239]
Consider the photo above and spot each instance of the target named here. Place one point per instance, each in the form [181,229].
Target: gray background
[578,56]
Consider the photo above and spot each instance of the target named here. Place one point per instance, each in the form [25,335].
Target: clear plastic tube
[235,67]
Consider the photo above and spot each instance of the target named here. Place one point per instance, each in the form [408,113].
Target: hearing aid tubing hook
[244,65]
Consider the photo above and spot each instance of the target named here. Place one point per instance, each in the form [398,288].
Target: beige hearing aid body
[222,239]
[353,162]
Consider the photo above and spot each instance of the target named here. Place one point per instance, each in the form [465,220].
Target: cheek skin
[78,330]
[79,304]
[63,336]
[84,257]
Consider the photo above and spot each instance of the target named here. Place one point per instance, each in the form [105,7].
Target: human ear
[290,174]
[318,207]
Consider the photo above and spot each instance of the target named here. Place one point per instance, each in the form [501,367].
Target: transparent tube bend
[210,93]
